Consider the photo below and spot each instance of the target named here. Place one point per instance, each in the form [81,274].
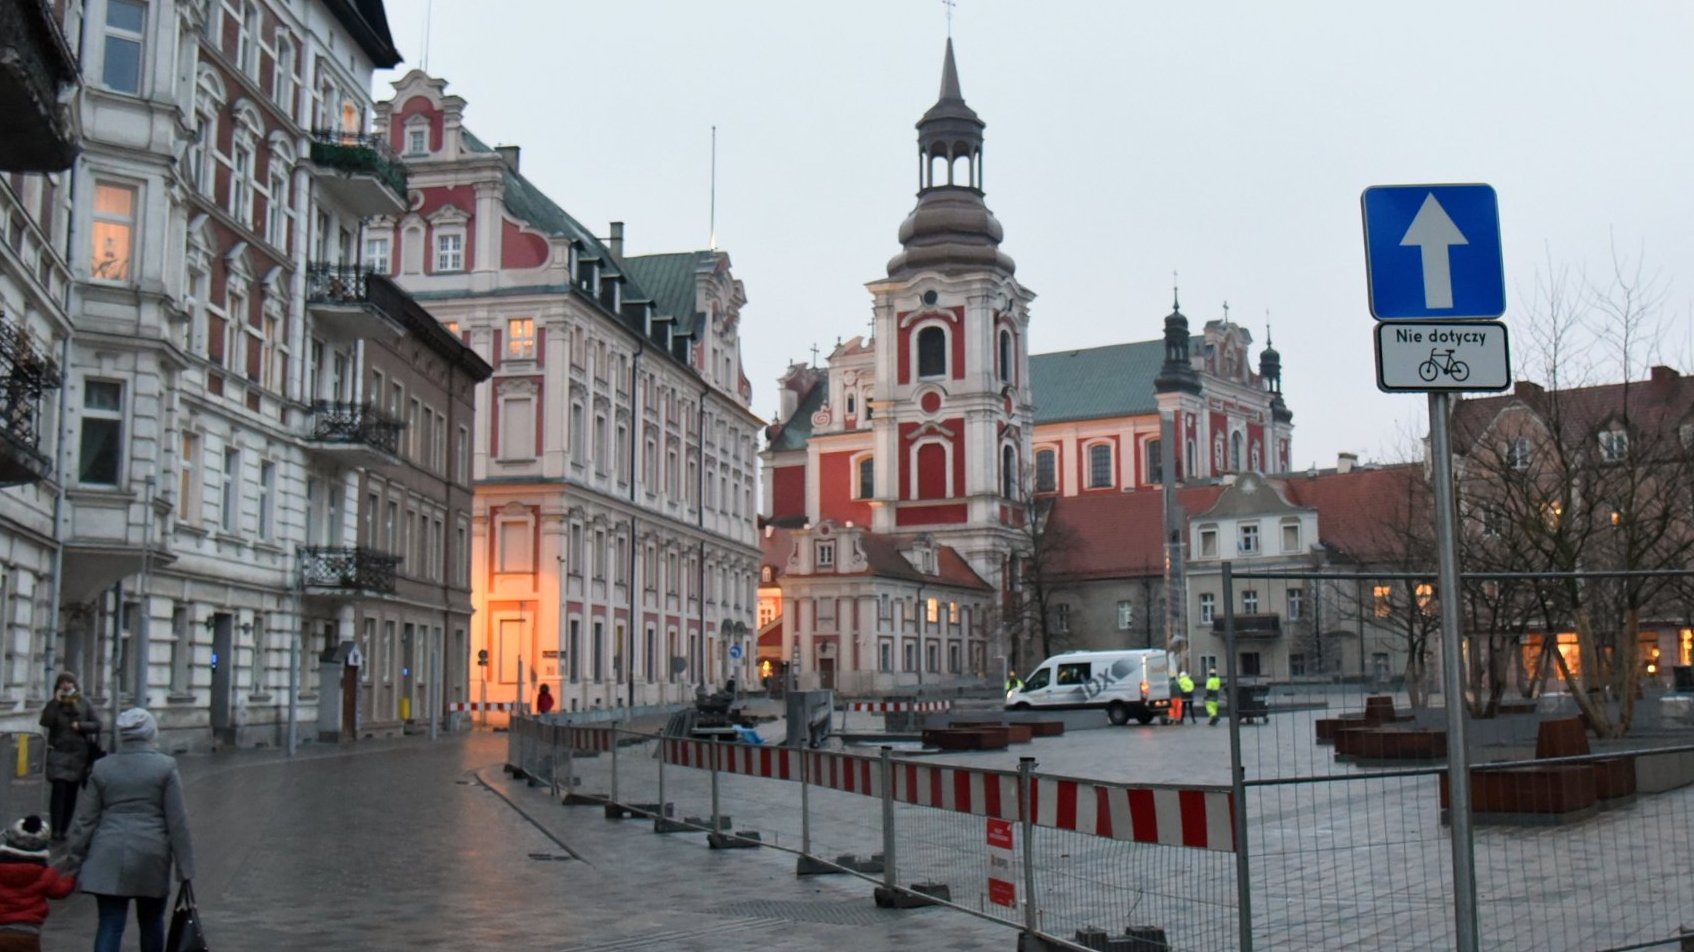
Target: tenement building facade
[614,549]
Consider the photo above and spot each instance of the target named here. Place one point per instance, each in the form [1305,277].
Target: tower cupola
[1177,373]
[1270,373]
[951,229]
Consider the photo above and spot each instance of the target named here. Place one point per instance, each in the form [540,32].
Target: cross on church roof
[949,4]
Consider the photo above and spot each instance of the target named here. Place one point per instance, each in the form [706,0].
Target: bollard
[614,740]
[890,878]
[805,808]
[716,813]
[1026,789]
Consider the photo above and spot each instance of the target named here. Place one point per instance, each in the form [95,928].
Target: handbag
[185,934]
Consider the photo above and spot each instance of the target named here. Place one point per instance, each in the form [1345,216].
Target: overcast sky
[1226,141]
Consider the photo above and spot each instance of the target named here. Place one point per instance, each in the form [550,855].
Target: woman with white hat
[129,829]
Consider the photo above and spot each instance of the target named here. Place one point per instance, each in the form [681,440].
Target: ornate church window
[932,352]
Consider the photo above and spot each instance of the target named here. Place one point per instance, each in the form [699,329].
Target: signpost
[1436,274]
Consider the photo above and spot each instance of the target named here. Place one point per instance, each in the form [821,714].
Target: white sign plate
[1420,356]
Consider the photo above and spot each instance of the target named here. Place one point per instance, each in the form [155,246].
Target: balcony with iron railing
[359,171]
[358,431]
[340,301]
[36,65]
[25,375]
[347,569]
[1251,626]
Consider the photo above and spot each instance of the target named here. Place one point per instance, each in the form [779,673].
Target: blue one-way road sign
[1433,252]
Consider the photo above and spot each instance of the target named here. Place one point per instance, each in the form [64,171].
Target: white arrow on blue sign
[1432,252]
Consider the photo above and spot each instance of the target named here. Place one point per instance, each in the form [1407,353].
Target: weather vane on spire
[1176,292]
[949,4]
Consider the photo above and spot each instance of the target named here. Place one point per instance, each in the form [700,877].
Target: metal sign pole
[1452,667]
[1237,776]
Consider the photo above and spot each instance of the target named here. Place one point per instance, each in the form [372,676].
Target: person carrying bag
[130,829]
[186,934]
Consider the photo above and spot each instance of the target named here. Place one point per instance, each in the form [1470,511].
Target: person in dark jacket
[131,827]
[72,732]
[26,883]
[544,700]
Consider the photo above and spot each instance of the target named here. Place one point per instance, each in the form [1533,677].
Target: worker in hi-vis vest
[1214,684]
[1185,689]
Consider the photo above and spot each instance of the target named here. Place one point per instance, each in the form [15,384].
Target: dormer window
[449,252]
[417,141]
[1614,445]
[1517,453]
[825,555]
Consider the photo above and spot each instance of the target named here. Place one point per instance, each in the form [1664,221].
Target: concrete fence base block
[1090,938]
[739,840]
[1140,938]
[701,823]
[665,824]
[1030,942]
[845,863]
[1686,934]
[583,799]
[915,896]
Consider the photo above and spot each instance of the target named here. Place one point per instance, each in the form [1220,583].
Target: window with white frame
[247,40]
[100,456]
[1247,538]
[1296,604]
[1518,453]
[282,74]
[377,253]
[242,156]
[112,237]
[865,473]
[1291,536]
[1250,602]
[932,352]
[1208,607]
[417,135]
[1614,445]
[517,427]
[229,510]
[1100,466]
[120,66]
[1061,619]
[1126,614]
[188,480]
[449,251]
[267,500]
[515,548]
[1046,471]
[825,553]
[277,211]
[1208,542]
[520,338]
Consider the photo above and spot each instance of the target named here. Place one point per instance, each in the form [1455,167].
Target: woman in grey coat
[72,727]
[130,827]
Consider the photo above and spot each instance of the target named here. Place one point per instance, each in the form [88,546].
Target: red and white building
[614,542]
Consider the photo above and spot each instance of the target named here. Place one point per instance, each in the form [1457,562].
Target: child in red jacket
[26,883]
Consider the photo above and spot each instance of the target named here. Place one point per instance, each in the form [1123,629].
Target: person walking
[26,883]
[131,827]
[72,732]
[1214,685]
[1185,686]
[544,700]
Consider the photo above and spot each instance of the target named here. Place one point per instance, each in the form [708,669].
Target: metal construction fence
[23,780]
[1577,843]
[1066,860]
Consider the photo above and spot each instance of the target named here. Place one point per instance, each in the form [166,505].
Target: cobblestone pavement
[413,844]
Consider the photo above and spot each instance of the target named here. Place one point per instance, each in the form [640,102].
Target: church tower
[951,410]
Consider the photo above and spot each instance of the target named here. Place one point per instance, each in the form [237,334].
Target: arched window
[1046,471]
[932,481]
[1008,472]
[1005,356]
[1235,452]
[1100,466]
[867,478]
[932,352]
[1155,462]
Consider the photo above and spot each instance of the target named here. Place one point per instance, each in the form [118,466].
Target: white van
[1131,683]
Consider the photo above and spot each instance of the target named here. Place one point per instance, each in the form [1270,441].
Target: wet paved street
[403,847]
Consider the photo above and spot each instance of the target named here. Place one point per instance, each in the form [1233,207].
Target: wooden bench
[1391,743]
[976,738]
[1015,733]
[1379,710]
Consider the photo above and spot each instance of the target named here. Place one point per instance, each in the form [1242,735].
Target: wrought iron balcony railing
[354,568]
[1251,626]
[25,374]
[355,424]
[359,153]
[336,284]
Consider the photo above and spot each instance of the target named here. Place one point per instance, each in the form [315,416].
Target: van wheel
[1021,706]
[1118,714]
[1145,717]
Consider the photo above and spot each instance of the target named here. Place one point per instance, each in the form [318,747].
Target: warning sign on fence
[1002,888]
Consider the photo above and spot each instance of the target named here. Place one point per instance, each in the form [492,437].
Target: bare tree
[1039,552]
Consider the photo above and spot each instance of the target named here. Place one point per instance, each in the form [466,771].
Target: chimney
[616,241]
[1344,462]
[1524,388]
[510,154]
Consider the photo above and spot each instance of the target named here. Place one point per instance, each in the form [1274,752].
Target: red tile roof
[1358,510]
[882,553]
[1119,535]
[1658,404]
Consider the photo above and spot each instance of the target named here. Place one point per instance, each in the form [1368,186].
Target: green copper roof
[1099,382]
[797,429]
[671,280]
[527,202]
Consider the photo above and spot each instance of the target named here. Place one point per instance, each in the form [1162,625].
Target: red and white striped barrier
[1198,818]
[482,706]
[901,707]
[1203,819]
[585,738]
